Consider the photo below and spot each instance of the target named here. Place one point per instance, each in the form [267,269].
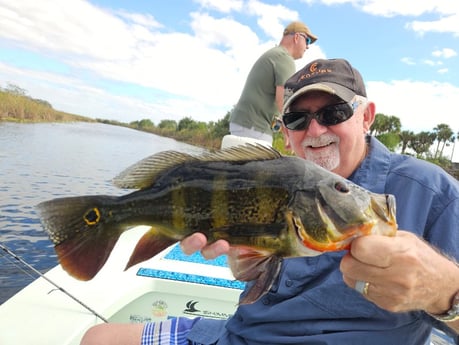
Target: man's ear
[368,116]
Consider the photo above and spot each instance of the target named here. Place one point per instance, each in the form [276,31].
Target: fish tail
[83,234]
[151,243]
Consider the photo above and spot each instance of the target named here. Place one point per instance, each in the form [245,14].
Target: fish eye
[341,187]
[92,217]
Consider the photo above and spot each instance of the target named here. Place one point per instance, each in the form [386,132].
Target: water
[44,161]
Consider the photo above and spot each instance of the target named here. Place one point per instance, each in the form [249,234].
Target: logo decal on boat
[190,307]
[192,310]
[159,308]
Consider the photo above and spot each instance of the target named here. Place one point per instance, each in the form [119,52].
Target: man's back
[256,106]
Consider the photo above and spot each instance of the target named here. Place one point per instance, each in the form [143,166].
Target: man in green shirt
[262,97]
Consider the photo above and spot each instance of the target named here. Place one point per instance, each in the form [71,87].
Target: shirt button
[266,301]
[288,282]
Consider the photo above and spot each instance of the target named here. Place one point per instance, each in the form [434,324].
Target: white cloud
[444,53]
[408,61]
[146,20]
[431,62]
[271,18]
[419,105]
[204,68]
[447,24]
[225,6]
[74,96]
[445,12]
[99,44]
[390,8]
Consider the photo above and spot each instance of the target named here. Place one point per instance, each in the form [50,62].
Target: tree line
[198,133]
[428,145]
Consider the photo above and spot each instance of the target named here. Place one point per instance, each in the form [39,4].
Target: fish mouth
[339,238]
[387,223]
[387,214]
[334,239]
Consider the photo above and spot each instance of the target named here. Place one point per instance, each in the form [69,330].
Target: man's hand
[198,242]
[404,273]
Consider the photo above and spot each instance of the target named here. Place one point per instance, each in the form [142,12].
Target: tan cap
[299,27]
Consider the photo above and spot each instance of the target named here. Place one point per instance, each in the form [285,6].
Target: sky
[128,60]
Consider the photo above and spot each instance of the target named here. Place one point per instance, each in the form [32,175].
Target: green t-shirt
[257,104]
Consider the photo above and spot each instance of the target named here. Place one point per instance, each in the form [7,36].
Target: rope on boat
[10,252]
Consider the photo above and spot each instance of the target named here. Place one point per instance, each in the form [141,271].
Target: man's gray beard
[327,161]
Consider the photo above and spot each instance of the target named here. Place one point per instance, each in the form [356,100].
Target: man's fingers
[198,242]
[193,243]
[215,249]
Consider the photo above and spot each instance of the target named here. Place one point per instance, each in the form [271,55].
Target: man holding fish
[383,289]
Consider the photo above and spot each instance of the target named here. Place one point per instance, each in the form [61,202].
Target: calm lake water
[44,161]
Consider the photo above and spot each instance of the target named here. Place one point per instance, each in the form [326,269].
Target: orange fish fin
[151,243]
[248,264]
[82,258]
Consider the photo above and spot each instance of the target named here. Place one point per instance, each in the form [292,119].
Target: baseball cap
[334,76]
[297,26]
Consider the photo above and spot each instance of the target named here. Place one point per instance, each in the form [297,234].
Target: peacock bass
[266,205]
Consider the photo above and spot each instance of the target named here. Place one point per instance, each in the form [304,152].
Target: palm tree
[444,134]
[385,124]
[421,142]
[405,138]
[454,146]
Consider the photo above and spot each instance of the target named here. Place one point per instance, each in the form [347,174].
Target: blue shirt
[310,304]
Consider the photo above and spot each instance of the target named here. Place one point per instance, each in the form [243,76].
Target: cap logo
[314,71]
[313,67]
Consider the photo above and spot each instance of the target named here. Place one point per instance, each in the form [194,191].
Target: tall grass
[21,108]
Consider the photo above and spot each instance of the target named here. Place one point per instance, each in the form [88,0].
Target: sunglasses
[327,116]
[307,39]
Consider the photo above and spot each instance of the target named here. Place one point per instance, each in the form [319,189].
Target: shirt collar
[372,172]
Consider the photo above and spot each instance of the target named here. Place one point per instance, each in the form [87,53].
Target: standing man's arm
[279,98]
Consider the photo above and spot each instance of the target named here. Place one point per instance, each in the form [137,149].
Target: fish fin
[151,243]
[248,264]
[83,258]
[83,240]
[143,174]
[241,153]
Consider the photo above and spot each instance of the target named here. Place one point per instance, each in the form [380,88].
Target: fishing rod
[16,257]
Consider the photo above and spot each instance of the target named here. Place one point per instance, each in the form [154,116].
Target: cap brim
[334,89]
[312,37]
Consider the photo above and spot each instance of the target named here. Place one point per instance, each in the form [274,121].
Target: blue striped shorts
[170,332]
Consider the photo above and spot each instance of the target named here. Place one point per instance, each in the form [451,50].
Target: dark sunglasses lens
[308,40]
[296,121]
[328,116]
[334,114]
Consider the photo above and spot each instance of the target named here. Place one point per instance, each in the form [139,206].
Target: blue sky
[129,60]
